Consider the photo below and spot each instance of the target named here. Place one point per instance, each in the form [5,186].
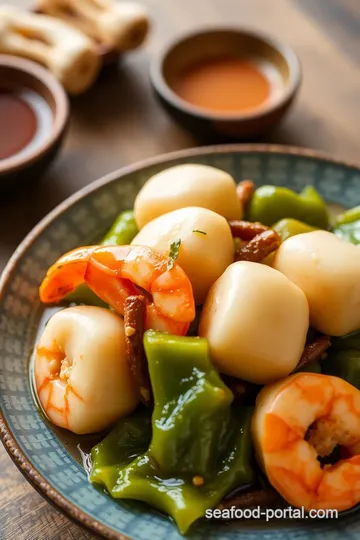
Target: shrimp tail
[65,275]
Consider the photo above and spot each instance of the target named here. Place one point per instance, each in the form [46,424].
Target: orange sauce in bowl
[224,85]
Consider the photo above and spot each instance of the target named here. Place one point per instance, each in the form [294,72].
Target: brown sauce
[25,120]
[224,85]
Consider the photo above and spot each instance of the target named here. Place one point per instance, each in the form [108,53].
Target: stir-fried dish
[213,339]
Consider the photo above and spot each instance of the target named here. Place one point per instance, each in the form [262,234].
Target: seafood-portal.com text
[270,513]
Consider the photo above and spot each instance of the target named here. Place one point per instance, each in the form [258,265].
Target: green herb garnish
[173,253]
[199,232]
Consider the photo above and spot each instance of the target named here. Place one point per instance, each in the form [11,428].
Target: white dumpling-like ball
[82,378]
[187,185]
[206,249]
[327,269]
[256,321]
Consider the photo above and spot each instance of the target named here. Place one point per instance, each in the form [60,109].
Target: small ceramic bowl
[230,43]
[28,78]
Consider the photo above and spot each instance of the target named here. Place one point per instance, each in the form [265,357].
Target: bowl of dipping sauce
[34,112]
[235,83]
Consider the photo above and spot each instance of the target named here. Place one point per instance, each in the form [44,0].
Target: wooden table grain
[119,122]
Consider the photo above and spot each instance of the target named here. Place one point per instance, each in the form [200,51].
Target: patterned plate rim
[24,465]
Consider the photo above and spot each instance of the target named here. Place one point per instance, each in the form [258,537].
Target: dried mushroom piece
[120,25]
[259,247]
[134,320]
[313,351]
[246,230]
[66,52]
[245,191]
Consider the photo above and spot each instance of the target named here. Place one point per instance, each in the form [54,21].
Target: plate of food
[180,347]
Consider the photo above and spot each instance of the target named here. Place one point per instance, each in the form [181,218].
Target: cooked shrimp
[297,421]
[82,377]
[116,272]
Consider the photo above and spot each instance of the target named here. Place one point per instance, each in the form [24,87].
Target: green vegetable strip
[200,447]
[122,231]
[291,227]
[349,216]
[343,359]
[347,225]
[270,204]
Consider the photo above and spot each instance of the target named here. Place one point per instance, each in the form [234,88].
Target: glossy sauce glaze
[25,121]
[225,85]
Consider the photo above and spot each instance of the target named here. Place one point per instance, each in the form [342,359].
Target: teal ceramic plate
[39,451]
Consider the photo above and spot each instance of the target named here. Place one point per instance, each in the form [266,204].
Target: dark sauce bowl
[22,76]
[211,44]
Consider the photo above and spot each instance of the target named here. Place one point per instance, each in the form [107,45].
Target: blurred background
[119,122]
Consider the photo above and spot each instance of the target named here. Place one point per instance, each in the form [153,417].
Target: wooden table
[118,122]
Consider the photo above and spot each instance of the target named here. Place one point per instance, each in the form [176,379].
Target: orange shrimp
[300,419]
[115,272]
